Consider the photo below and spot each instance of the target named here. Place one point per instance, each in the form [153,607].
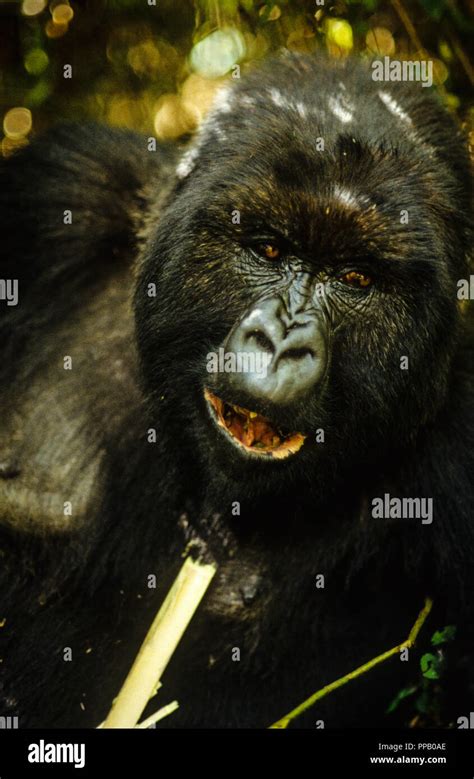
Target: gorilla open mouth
[252,431]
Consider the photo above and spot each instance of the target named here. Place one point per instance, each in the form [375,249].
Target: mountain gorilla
[257,342]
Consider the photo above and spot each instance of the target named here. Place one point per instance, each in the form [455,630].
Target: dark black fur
[81,435]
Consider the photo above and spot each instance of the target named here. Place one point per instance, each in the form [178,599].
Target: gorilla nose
[284,356]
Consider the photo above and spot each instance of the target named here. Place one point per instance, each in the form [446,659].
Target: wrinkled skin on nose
[287,353]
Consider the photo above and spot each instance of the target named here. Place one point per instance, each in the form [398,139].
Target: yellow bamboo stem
[161,714]
[161,641]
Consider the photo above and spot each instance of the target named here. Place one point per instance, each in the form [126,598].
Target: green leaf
[441,636]
[400,696]
[430,666]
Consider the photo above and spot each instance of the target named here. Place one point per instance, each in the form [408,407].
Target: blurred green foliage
[153,65]
[426,697]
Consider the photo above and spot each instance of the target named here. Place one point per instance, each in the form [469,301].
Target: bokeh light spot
[379,40]
[36,61]
[174,117]
[62,14]
[54,30]
[339,32]
[214,55]
[32,7]
[17,122]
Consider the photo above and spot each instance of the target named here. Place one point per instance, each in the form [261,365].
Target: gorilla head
[296,304]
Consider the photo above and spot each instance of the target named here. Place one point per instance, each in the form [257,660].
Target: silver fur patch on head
[345,196]
[348,198]
[287,104]
[187,162]
[222,104]
[341,108]
[247,101]
[393,107]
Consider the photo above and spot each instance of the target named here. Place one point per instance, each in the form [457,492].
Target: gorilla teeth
[251,430]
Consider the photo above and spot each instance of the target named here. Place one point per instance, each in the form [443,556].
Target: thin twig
[461,55]
[362,669]
[409,27]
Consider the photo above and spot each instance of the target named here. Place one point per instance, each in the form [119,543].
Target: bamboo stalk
[161,714]
[161,641]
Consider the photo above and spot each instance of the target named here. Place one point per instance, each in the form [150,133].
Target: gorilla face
[303,280]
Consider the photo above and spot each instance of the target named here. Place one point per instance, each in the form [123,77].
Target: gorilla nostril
[297,354]
[261,340]
[288,358]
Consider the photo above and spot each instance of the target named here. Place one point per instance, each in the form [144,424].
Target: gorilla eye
[269,250]
[355,279]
